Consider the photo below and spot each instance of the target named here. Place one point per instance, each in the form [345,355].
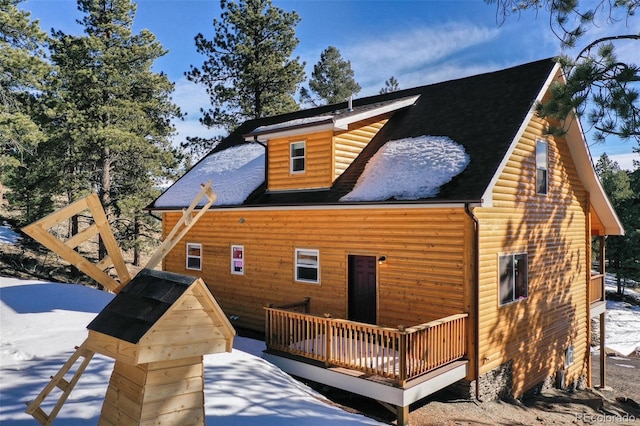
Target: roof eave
[336,123]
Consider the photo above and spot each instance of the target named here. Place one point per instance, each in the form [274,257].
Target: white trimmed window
[513,279]
[542,167]
[298,154]
[307,265]
[194,256]
[237,260]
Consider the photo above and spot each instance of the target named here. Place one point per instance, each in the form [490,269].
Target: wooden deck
[396,355]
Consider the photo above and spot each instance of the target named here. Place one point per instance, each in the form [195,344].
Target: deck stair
[79,360]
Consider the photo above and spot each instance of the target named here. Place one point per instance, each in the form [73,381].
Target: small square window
[194,256]
[542,167]
[307,266]
[513,280]
[237,260]
[298,151]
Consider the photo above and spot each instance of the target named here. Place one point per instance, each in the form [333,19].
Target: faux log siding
[349,144]
[422,280]
[318,168]
[552,230]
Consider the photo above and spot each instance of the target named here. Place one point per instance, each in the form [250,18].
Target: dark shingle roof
[140,304]
[483,113]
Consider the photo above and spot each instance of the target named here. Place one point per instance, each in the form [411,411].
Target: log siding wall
[318,162]
[552,229]
[348,145]
[422,280]
[327,155]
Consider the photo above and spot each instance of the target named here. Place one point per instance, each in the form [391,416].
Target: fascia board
[584,166]
[340,123]
[343,122]
[290,132]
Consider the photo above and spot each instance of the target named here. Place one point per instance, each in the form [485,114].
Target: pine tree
[390,85]
[23,70]
[623,252]
[332,80]
[112,118]
[599,85]
[248,71]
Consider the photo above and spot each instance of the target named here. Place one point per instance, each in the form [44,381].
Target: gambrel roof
[485,114]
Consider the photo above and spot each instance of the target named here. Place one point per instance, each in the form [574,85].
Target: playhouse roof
[141,304]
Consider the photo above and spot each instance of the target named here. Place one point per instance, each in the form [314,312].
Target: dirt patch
[616,404]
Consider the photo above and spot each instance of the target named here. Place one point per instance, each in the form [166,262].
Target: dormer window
[298,152]
[542,172]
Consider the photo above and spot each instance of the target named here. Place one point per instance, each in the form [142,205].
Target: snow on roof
[409,169]
[235,173]
[293,123]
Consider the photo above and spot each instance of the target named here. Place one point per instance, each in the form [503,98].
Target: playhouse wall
[169,392]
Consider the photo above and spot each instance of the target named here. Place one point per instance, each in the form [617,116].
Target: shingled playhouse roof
[140,304]
[483,113]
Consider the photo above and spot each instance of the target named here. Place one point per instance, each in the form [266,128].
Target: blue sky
[419,42]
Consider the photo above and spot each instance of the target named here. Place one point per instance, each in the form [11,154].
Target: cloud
[625,161]
[191,97]
[410,52]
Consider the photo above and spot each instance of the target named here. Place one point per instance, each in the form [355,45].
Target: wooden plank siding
[347,145]
[318,168]
[328,155]
[552,230]
[422,280]
[168,392]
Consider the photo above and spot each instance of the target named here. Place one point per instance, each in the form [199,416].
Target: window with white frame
[542,167]
[298,153]
[513,277]
[237,260]
[307,265]
[194,256]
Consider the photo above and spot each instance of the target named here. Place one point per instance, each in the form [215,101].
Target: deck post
[603,353]
[403,359]
[327,351]
[402,412]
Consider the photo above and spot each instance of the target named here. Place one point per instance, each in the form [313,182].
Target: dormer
[311,152]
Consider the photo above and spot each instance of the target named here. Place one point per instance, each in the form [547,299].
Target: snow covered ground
[41,323]
[623,321]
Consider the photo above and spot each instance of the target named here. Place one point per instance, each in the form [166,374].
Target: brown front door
[362,289]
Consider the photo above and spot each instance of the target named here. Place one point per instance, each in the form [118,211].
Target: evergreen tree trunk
[105,193]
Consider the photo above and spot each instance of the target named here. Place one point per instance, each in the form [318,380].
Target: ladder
[66,386]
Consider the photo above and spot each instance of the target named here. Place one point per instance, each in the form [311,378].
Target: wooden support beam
[39,231]
[183,225]
[33,407]
[402,412]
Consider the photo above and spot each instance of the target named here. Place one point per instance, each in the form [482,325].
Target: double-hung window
[298,157]
[513,279]
[237,260]
[542,167]
[194,256]
[307,265]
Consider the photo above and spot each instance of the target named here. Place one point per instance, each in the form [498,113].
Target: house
[157,329]
[439,233]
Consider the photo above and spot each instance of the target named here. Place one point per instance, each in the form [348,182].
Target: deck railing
[597,288]
[398,354]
